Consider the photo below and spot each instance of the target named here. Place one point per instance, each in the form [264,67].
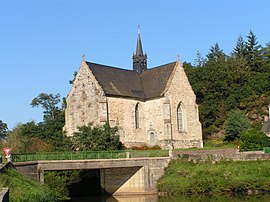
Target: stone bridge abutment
[117,176]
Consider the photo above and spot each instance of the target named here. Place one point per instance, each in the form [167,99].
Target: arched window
[137,116]
[180,118]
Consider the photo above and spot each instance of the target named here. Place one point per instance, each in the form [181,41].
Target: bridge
[119,172]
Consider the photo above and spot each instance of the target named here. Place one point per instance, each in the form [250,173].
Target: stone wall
[86,101]
[179,92]
[216,155]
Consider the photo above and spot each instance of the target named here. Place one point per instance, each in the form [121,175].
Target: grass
[23,189]
[205,177]
[214,145]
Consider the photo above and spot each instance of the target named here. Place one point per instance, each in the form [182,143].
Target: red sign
[7,151]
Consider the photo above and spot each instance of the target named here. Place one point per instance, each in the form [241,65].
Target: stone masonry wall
[122,114]
[180,92]
[86,101]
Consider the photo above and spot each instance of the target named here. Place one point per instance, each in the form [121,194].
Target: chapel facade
[150,106]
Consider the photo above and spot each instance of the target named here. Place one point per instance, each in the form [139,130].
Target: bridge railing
[81,155]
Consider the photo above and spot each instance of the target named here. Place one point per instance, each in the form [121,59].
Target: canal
[184,198]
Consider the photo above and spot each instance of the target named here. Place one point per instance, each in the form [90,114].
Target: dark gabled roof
[155,80]
[127,83]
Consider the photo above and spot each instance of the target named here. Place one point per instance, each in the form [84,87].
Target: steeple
[139,59]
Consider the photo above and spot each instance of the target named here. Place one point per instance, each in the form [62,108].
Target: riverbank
[184,177]
[25,189]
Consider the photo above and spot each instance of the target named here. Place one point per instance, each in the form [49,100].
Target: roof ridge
[112,67]
[161,65]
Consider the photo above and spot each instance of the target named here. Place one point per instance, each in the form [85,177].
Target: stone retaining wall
[219,155]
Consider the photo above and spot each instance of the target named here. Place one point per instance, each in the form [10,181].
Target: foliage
[24,138]
[205,177]
[254,140]
[228,82]
[23,189]
[47,135]
[59,180]
[3,130]
[74,77]
[235,124]
[49,103]
[96,138]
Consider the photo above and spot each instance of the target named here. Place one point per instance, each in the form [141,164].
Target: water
[184,198]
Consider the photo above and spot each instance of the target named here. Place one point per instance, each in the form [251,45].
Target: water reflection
[185,198]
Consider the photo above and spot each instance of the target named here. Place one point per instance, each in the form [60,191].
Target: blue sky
[41,42]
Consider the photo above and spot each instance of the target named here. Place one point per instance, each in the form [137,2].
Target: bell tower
[139,59]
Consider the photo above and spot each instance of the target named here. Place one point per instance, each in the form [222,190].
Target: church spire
[139,50]
[139,59]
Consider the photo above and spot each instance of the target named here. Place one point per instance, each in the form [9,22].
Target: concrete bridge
[116,176]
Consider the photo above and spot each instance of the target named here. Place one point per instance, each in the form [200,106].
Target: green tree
[235,124]
[254,140]
[49,103]
[3,130]
[26,138]
[253,52]
[51,129]
[199,61]
[240,48]
[96,138]
[215,53]
[58,181]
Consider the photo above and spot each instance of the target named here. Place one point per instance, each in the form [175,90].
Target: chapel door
[152,139]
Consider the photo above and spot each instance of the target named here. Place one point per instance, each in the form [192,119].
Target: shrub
[254,140]
[236,123]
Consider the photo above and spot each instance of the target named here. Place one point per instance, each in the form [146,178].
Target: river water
[189,198]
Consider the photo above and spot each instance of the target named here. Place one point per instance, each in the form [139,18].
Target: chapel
[150,106]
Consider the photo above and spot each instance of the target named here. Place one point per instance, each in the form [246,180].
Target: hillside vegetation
[225,85]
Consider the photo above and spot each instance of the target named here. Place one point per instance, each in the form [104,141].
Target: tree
[3,130]
[240,48]
[49,103]
[216,53]
[253,52]
[199,61]
[51,129]
[96,138]
[236,123]
[74,77]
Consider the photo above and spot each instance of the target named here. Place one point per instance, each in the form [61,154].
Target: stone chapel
[150,106]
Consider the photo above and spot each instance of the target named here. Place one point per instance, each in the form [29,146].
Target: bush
[59,180]
[96,138]
[254,140]
[236,123]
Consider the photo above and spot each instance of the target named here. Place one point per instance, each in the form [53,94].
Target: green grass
[23,189]
[214,145]
[206,177]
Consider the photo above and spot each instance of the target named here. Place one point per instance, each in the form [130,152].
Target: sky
[42,42]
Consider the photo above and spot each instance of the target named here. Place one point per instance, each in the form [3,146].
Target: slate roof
[127,83]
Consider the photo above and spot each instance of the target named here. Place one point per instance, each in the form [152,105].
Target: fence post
[127,155]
